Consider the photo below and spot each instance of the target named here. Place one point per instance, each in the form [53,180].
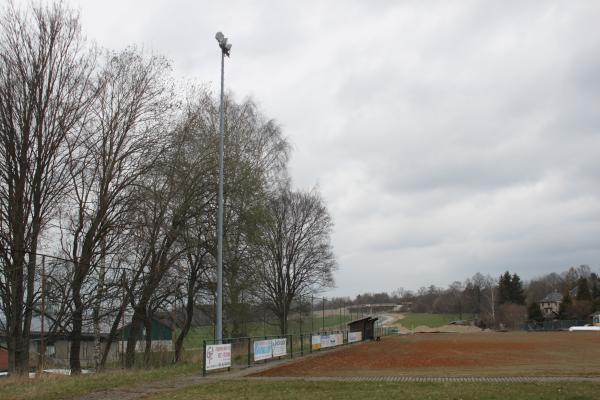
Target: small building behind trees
[161,334]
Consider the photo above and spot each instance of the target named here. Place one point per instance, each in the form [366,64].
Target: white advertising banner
[218,356]
[354,337]
[334,339]
[263,349]
[339,339]
[279,347]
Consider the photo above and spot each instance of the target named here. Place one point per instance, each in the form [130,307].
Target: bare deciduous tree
[45,73]
[119,144]
[170,196]
[297,254]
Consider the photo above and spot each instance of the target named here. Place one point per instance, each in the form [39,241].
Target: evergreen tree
[511,289]
[565,305]
[504,288]
[516,290]
[583,290]
[595,284]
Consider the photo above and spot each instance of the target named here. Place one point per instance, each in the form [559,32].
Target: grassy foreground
[60,387]
[412,320]
[250,389]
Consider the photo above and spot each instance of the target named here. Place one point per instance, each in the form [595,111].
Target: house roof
[165,322]
[553,297]
[50,325]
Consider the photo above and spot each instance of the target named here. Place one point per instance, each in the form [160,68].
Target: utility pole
[43,309]
[225,48]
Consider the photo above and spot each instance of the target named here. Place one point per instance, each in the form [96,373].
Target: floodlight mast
[225,48]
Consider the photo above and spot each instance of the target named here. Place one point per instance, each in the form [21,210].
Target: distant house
[550,305]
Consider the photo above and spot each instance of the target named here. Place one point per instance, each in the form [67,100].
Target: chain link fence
[108,295]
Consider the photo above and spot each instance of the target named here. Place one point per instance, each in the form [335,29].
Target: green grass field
[412,320]
[67,387]
[260,390]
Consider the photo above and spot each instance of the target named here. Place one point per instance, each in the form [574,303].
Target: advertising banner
[218,356]
[354,337]
[325,343]
[263,349]
[279,347]
[316,342]
[338,339]
[332,340]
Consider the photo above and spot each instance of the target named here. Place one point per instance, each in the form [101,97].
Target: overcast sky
[446,137]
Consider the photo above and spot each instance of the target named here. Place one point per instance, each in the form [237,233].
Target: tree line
[108,177]
[500,301]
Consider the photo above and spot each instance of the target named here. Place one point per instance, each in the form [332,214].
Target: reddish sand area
[476,353]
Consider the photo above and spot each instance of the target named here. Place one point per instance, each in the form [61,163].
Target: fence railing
[557,325]
[245,352]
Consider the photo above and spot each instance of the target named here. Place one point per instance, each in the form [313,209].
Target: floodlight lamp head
[219,36]
[228,47]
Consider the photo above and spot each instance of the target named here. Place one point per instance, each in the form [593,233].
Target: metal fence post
[249,345]
[204,358]
[323,316]
[310,343]
[291,337]
[301,344]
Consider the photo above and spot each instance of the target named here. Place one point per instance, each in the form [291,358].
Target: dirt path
[141,390]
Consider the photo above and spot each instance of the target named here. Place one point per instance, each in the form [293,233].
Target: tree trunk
[189,316]
[111,338]
[74,361]
[148,348]
[96,311]
[135,329]
[17,344]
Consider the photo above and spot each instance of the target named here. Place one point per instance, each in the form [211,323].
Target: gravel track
[434,379]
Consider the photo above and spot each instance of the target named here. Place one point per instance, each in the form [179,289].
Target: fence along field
[247,351]
[308,314]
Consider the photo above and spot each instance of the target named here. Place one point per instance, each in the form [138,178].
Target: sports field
[456,354]
[485,365]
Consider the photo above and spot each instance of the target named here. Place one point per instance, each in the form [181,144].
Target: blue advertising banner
[263,349]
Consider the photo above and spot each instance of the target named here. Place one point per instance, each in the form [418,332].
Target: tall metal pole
[220,210]
[42,338]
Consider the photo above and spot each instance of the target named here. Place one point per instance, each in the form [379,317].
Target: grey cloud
[447,137]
